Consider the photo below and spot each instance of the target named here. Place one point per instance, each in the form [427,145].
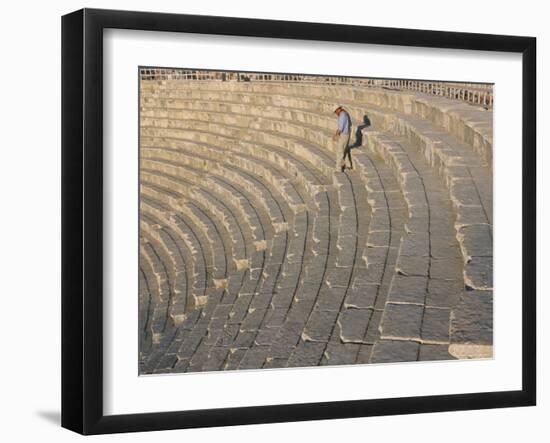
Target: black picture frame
[82,219]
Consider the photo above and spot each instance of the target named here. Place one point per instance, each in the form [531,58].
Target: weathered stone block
[444,247]
[401,321]
[189,346]
[254,358]
[306,354]
[364,354]
[278,309]
[253,319]
[379,221]
[477,240]
[287,338]
[408,289]
[266,336]
[472,318]
[417,198]
[434,352]
[378,238]
[340,354]
[417,222]
[167,362]
[413,266]
[240,308]
[478,273]
[353,324]
[234,358]
[261,300]
[338,277]
[319,326]
[300,310]
[347,226]
[330,299]
[436,325]
[446,268]
[361,297]
[464,193]
[386,351]
[216,359]
[471,215]
[443,293]
[282,298]
[415,244]
[375,255]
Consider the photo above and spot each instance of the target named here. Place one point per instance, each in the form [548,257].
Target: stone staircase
[256,253]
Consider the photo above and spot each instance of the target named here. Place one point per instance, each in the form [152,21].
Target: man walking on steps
[341,137]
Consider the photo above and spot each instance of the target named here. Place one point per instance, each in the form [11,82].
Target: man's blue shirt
[344,122]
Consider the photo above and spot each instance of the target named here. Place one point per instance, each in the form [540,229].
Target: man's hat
[338,109]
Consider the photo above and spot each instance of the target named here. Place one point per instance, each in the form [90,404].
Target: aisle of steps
[417,315]
[463,242]
[306,265]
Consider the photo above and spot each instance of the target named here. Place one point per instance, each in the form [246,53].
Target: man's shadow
[359,132]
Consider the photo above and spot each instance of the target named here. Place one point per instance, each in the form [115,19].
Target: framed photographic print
[270,221]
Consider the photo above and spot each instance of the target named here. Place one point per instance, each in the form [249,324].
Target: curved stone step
[314,134]
[252,317]
[238,281]
[255,314]
[218,240]
[193,364]
[303,157]
[256,301]
[154,323]
[229,182]
[182,241]
[222,211]
[278,169]
[145,304]
[275,250]
[262,322]
[170,314]
[277,226]
[272,210]
[245,214]
[159,319]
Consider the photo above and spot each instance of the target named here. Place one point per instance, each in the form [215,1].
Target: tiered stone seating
[304,265]
[169,252]
[466,123]
[159,288]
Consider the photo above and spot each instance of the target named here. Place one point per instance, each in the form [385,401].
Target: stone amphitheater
[256,253]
